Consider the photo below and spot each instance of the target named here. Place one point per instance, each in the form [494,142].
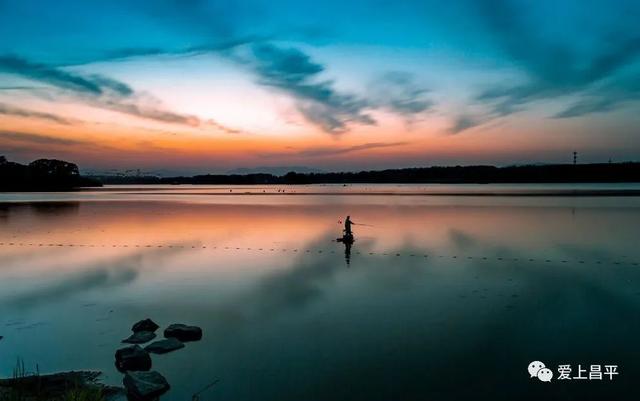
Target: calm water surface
[441,297]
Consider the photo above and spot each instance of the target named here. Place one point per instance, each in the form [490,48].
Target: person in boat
[347,226]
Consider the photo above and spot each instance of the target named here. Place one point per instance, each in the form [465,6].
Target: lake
[448,292]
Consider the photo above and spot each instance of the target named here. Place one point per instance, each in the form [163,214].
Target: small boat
[346,238]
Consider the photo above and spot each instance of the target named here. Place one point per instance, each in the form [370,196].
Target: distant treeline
[42,175]
[556,173]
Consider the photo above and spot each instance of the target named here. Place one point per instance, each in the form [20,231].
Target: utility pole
[575,158]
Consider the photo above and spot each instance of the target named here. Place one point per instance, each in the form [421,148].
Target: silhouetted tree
[42,175]
[53,168]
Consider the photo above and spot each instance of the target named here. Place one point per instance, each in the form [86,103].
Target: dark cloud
[553,61]
[94,85]
[18,88]
[464,122]
[400,93]
[604,98]
[289,70]
[198,17]
[328,151]
[293,72]
[20,112]
[99,91]
[588,105]
[117,87]
[148,113]
[221,127]
[554,67]
[130,52]
[37,138]
[220,46]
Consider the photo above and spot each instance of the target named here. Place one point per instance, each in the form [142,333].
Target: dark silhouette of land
[58,175]
[42,175]
[551,173]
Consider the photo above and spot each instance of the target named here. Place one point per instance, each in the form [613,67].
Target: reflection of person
[347,252]
[347,226]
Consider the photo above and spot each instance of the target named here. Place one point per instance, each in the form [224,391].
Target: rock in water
[183,332]
[145,385]
[164,346]
[145,325]
[132,358]
[140,337]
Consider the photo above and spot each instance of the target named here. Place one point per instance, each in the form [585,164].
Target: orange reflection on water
[100,230]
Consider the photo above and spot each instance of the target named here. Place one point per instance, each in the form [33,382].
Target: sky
[198,86]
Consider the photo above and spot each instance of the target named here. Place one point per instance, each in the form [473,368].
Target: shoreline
[554,193]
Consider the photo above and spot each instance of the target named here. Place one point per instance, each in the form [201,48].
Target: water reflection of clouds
[12,258]
[310,277]
[110,273]
[590,252]
[388,314]
[62,209]
[461,240]
[569,252]
[70,286]
[383,327]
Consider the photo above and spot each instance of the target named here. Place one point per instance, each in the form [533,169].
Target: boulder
[140,337]
[145,385]
[132,358]
[164,346]
[145,325]
[183,332]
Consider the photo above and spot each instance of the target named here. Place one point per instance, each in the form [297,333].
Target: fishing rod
[359,224]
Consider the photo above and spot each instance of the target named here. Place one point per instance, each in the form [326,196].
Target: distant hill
[42,175]
[277,170]
[550,173]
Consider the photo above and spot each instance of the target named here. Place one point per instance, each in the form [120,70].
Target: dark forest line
[552,173]
[53,175]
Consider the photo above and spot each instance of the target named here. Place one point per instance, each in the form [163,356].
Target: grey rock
[164,346]
[145,325]
[132,358]
[183,332]
[140,337]
[145,385]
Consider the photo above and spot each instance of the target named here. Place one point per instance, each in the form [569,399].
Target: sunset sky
[194,86]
